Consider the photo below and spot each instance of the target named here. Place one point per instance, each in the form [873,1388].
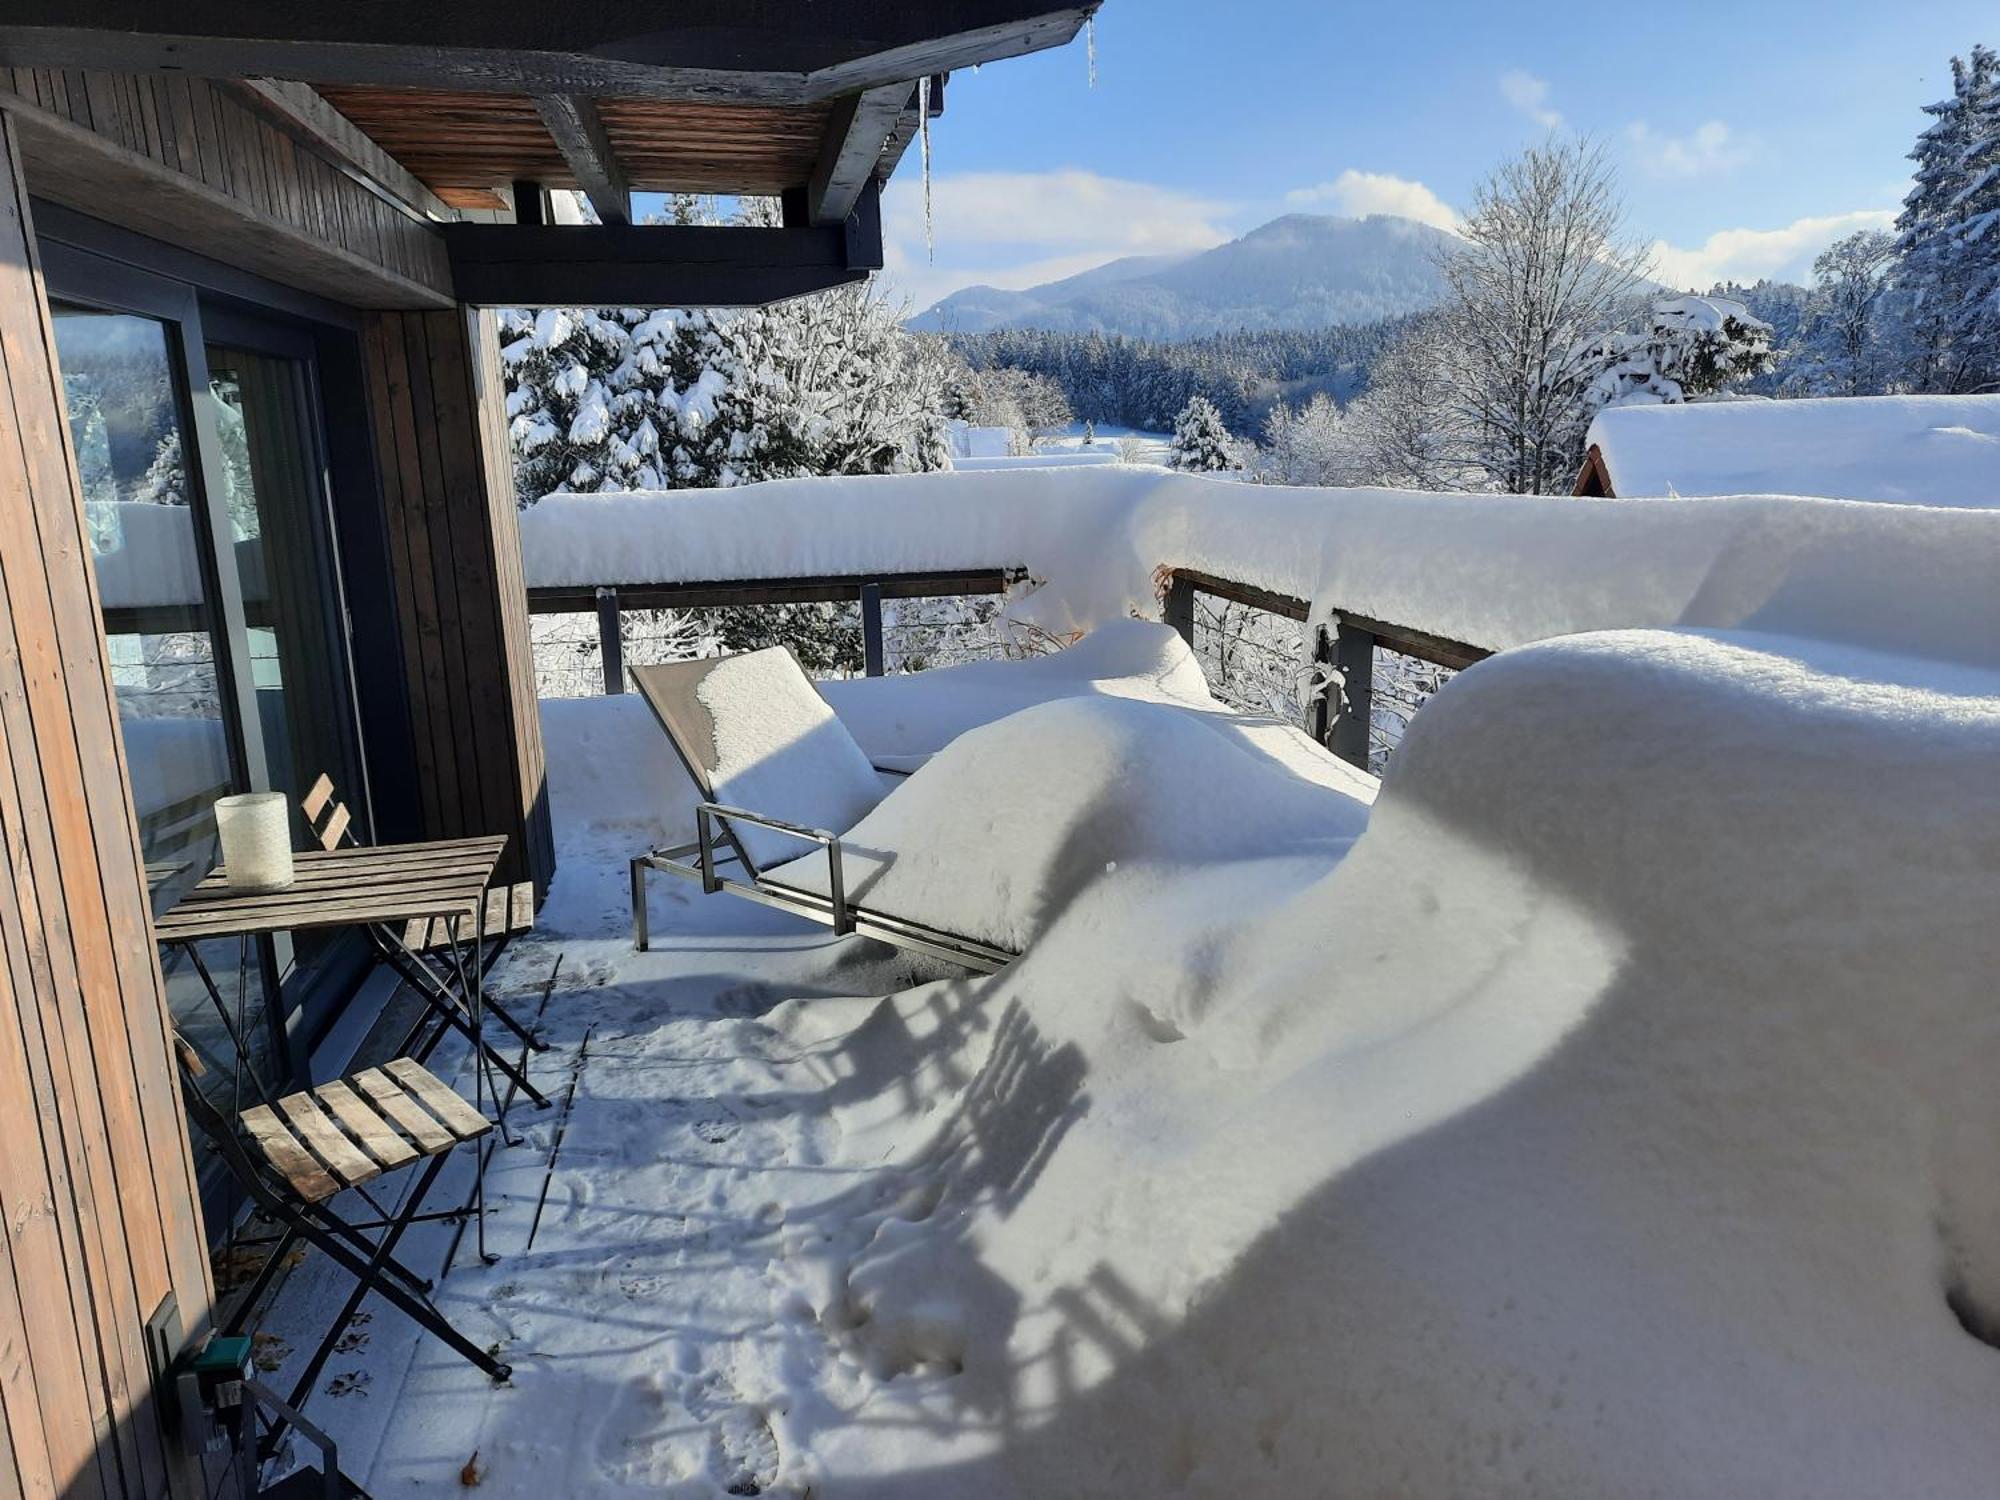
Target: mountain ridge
[1296,271]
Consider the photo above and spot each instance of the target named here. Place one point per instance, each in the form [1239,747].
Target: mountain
[1299,271]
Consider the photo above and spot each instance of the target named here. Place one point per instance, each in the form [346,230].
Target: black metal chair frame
[372,1263]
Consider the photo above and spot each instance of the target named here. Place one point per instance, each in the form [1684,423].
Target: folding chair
[426,954]
[807,779]
[295,1156]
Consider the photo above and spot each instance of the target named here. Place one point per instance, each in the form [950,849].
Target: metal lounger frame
[834,911]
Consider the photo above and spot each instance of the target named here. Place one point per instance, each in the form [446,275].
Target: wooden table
[357,885]
[383,890]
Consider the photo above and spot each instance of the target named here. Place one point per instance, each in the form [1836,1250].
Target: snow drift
[1615,1118]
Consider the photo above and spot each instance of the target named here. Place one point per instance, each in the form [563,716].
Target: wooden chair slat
[460,1118]
[388,1096]
[294,1163]
[349,1162]
[376,1135]
[316,800]
[335,825]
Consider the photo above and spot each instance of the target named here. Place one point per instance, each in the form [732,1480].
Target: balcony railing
[1354,692]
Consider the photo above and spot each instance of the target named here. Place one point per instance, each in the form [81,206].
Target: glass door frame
[84,278]
[308,1006]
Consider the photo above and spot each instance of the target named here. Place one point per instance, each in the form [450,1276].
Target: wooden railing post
[1178,610]
[871,629]
[1354,660]
[610,642]
[1320,713]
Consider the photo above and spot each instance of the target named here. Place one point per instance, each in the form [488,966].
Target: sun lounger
[777,773]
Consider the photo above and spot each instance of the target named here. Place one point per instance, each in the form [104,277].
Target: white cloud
[1747,254]
[1710,148]
[1016,229]
[1530,95]
[1359,194]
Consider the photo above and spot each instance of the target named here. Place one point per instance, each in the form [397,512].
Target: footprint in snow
[746,1451]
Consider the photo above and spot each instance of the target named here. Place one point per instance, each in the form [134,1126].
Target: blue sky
[1746,135]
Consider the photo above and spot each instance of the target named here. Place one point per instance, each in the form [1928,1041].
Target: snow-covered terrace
[1604,1108]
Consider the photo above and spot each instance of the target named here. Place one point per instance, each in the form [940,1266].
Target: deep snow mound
[1615,1118]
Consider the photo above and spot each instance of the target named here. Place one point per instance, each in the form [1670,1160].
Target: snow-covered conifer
[1201,442]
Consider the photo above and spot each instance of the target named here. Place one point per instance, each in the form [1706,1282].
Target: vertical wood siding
[439,414]
[96,1185]
[215,136]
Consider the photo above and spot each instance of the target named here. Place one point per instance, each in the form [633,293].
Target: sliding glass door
[126,393]
[200,443]
[274,494]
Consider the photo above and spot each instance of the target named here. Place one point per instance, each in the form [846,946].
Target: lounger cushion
[780,751]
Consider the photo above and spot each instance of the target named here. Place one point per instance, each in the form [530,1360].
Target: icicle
[924,154]
[1090,47]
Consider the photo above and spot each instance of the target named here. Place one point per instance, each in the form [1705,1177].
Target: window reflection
[124,412]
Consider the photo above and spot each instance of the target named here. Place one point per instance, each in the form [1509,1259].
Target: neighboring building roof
[1918,450]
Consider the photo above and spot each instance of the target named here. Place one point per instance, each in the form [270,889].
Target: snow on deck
[1608,1109]
[1919,450]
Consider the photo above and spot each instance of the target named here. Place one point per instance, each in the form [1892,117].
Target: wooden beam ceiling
[465,146]
[574,126]
[777,51]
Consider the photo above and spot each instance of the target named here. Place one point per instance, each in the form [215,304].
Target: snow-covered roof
[1921,450]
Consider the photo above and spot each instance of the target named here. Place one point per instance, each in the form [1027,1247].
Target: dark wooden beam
[831,589]
[855,136]
[777,51]
[1435,649]
[905,131]
[657,265]
[579,134]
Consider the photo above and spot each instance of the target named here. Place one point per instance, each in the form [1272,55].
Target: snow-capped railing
[1456,574]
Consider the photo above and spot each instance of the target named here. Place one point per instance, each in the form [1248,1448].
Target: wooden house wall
[441,442]
[96,1186]
[199,164]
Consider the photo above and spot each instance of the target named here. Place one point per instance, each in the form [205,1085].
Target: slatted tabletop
[347,887]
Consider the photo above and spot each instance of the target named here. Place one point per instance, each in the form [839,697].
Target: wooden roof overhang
[455,108]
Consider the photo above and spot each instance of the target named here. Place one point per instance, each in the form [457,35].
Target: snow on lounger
[1000,828]
[999,831]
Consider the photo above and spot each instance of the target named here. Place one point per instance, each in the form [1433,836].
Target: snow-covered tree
[574,424]
[1201,443]
[1412,430]
[1025,402]
[1309,444]
[1542,269]
[623,398]
[1844,346]
[1948,236]
[1688,348]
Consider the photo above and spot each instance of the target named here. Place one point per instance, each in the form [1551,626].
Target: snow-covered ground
[1607,1109]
